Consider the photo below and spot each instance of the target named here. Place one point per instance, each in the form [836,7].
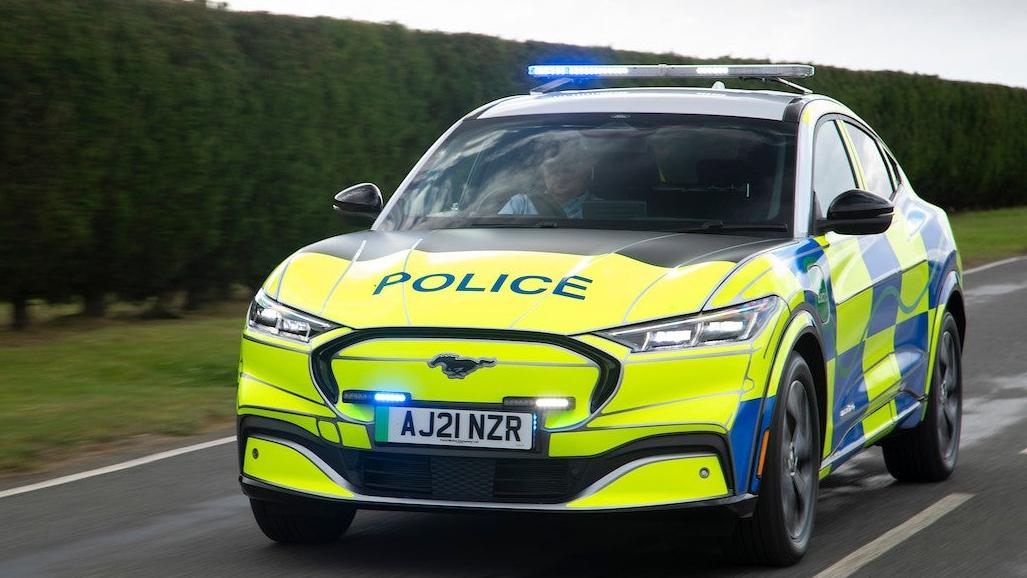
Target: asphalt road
[186,516]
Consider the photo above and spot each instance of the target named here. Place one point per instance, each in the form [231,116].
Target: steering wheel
[546,205]
[492,203]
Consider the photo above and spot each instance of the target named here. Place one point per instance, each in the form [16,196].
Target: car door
[865,273]
[896,347]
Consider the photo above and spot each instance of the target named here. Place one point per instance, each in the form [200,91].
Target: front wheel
[928,452]
[282,524]
[779,531]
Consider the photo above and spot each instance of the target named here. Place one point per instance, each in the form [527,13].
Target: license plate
[453,427]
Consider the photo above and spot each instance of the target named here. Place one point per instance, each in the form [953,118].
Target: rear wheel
[928,452]
[282,524]
[779,531]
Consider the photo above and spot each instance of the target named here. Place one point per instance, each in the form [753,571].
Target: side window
[893,166]
[832,173]
[875,168]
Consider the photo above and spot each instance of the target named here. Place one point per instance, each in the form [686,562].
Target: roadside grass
[76,388]
[984,236]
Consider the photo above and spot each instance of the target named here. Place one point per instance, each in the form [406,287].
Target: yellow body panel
[477,292]
[354,435]
[274,280]
[851,320]
[677,291]
[665,481]
[328,431]
[283,466]
[351,301]
[879,422]
[646,382]
[849,273]
[801,321]
[709,409]
[308,280]
[907,244]
[913,298]
[286,369]
[589,442]
[764,275]
[257,394]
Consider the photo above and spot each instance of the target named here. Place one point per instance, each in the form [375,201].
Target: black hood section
[654,248]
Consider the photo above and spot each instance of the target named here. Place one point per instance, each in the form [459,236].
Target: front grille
[461,478]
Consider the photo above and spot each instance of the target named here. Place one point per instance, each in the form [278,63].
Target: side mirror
[857,212]
[359,203]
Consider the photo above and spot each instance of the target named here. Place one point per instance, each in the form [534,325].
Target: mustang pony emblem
[456,367]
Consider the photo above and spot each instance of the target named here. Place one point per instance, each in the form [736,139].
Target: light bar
[671,70]
[550,70]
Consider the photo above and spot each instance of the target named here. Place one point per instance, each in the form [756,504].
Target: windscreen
[657,172]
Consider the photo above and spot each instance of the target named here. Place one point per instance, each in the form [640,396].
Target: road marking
[115,467]
[848,565]
[1024,451]
[995,264]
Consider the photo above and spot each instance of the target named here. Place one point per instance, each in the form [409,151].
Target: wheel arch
[957,307]
[812,351]
[950,299]
[801,335]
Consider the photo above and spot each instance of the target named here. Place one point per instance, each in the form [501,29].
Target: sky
[982,40]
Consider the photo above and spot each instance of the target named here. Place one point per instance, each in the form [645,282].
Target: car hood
[564,281]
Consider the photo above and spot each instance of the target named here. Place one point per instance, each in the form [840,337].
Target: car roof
[764,104]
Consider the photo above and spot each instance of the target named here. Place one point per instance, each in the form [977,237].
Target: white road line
[995,264]
[115,467]
[1024,451]
[848,565]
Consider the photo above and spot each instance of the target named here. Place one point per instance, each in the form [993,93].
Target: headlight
[734,324]
[269,316]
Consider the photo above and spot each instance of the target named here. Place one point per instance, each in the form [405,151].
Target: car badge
[456,367]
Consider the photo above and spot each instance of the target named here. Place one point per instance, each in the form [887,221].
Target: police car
[612,300]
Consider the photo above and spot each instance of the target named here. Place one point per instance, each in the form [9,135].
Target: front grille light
[375,397]
[540,403]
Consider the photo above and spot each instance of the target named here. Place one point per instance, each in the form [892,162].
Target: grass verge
[63,391]
[985,236]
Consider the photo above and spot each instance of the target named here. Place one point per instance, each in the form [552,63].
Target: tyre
[779,531]
[297,527]
[928,452]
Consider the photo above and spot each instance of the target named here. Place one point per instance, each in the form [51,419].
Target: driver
[566,175]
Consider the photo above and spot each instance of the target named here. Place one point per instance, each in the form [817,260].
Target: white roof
[765,104]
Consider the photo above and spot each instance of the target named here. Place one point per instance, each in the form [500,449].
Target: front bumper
[283,463]
[662,430]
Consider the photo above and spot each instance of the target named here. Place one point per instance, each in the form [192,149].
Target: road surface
[184,515]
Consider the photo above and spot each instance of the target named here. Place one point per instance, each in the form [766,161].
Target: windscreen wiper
[719,226]
[537,225]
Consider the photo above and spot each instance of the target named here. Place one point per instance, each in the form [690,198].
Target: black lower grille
[460,478]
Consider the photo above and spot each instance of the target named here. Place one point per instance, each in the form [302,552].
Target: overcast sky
[982,40]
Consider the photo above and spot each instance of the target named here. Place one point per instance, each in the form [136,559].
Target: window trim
[857,177]
[853,153]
